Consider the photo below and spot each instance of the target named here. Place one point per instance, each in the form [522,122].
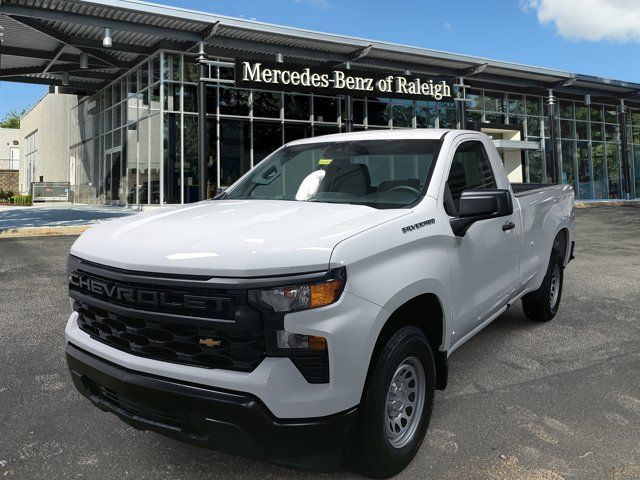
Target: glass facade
[136,141]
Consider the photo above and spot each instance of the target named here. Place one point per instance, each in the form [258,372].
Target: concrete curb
[43,231]
[608,203]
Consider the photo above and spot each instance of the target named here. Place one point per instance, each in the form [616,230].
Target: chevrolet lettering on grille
[145,298]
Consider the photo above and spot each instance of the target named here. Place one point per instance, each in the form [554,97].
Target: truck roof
[408,133]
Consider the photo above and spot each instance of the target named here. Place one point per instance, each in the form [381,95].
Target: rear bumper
[229,421]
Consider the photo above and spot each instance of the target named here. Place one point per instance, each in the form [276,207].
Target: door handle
[508,226]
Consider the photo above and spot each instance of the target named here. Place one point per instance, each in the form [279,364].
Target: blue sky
[550,33]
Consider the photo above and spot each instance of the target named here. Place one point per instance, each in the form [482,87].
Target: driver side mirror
[476,205]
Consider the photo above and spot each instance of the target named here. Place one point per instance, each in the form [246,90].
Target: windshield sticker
[325,161]
[416,226]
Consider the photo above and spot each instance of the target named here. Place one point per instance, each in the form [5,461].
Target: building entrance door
[114,181]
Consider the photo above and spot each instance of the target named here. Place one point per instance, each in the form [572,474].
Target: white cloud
[592,20]
[448,27]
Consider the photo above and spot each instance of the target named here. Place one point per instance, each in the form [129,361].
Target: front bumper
[277,382]
[225,420]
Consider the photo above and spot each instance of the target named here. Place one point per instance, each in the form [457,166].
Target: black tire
[538,305]
[376,456]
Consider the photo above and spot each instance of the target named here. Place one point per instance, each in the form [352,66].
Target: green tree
[12,118]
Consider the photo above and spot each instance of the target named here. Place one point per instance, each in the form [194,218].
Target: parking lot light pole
[556,172]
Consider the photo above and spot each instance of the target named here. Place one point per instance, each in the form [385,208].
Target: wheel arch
[426,312]
[561,242]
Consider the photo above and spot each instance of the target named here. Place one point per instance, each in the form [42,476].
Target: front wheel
[397,404]
[542,305]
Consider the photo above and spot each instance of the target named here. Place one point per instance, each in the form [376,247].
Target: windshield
[378,173]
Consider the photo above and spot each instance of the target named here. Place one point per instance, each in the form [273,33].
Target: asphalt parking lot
[525,401]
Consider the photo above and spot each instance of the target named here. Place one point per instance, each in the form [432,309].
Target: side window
[470,169]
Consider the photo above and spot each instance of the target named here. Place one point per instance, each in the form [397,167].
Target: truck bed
[520,189]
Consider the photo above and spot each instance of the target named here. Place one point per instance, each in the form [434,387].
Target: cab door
[485,261]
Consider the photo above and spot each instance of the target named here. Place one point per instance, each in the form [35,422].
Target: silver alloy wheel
[405,402]
[554,290]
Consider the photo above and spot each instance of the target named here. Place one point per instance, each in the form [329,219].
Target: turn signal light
[317,343]
[326,293]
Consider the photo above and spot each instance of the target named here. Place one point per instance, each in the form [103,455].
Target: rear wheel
[397,404]
[542,305]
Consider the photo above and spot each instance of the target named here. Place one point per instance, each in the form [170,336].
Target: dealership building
[170,105]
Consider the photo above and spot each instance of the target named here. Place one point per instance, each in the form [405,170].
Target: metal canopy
[515,145]
[44,38]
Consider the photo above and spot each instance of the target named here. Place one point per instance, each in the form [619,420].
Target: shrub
[5,196]
[22,200]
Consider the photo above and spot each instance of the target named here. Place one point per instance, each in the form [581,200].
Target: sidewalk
[61,219]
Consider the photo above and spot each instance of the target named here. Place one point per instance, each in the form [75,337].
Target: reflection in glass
[295,131]
[155,69]
[190,98]
[533,106]
[582,130]
[171,67]
[143,76]
[447,117]
[325,109]
[267,137]
[266,104]
[566,128]
[516,104]
[172,147]
[143,160]
[402,113]
[154,158]
[234,101]
[493,101]
[610,115]
[613,170]
[536,173]
[597,156]
[297,107]
[474,98]
[358,111]
[191,175]
[533,127]
[172,96]
[585,189]
[190,69]
[596,113]
[582,112]
[235,150]
[212,161]
[549,163]
[325,129]
[568,157]
[132,164]
[377,112]
[566,109]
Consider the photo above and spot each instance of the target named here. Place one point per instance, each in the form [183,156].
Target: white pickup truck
[307,313]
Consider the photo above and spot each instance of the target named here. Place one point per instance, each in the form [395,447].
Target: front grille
[179,342]
[181,319]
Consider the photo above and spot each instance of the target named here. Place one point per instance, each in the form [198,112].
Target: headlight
[302,297]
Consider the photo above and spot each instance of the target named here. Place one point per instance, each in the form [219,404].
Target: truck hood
[229,238]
